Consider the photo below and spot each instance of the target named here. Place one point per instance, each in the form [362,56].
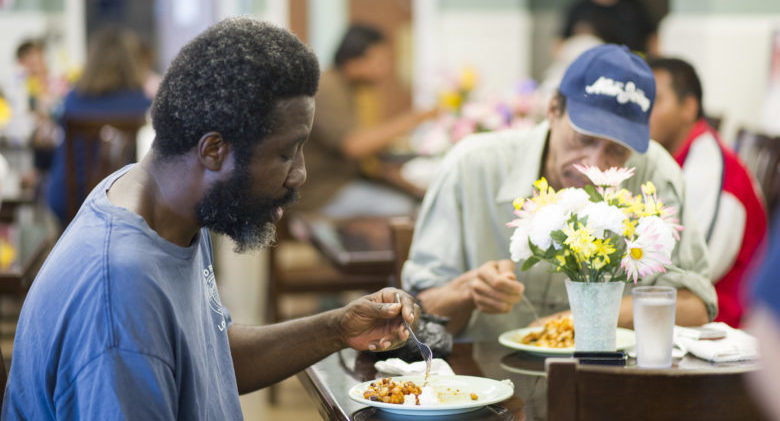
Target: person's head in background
[599,115]
[678,103]
[112,65]
[363,56]
[30,54]
[249,86]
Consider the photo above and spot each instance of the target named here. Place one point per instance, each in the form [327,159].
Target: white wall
[495,41]
[731,54]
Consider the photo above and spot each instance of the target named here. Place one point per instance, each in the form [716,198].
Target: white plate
[455,390]
[624,339]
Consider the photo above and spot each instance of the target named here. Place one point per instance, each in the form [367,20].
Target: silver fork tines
[425,350]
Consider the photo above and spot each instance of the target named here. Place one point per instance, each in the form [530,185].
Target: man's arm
[493,288]
[361,142]
[263,355]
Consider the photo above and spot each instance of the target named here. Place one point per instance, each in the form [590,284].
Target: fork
[425,350]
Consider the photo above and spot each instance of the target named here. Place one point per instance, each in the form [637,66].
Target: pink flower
[651,251]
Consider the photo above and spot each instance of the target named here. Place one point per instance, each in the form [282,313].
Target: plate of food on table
[440,395]
[555,338]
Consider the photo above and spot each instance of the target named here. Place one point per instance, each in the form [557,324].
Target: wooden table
[328,381]
[354,245]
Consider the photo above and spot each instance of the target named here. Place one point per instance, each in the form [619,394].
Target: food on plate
[388,391]
[556,333]
[408,393]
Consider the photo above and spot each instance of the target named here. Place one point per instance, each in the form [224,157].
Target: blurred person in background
[613,21]
[719,189]
[338,141]
[763,322]
[27,93]
[110,85]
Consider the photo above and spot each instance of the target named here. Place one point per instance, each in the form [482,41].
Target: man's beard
[229,208]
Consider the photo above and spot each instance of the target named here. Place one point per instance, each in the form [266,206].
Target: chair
[761,154]
[401,232]
[714,121]
[101,145]
[591,392]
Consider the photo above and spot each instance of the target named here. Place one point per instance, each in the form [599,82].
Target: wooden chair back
[101,145]
[401,232]
[591,392]
[761,154]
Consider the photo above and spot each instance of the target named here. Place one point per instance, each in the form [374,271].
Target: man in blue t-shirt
[124,319]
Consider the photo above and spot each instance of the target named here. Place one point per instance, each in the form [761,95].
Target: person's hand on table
[495,288]
[374,322]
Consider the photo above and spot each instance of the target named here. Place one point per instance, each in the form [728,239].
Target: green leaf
[558,236]
[594,195]
[528,264]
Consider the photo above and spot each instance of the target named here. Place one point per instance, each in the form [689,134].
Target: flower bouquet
[600,237]
[599,233]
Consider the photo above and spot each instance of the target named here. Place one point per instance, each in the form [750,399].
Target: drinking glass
[654,325]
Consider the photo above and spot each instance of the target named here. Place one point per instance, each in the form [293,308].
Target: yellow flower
[648,188]
[603,249]
[467,79]
[518,203]
[73,74]
[34,86]
[450,100]
[546,194]
[5,112]
[629,228]
[7,254]
[580,241]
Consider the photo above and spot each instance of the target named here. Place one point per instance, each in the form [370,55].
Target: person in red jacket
[731,211]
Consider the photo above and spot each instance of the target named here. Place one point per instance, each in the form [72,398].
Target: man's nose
[297,175]
[597,158]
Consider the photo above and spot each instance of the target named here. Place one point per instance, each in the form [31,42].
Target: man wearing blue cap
[459,263]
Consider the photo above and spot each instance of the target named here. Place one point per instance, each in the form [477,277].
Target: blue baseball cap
[609,93]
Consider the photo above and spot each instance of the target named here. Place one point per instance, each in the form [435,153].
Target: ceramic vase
[595,307]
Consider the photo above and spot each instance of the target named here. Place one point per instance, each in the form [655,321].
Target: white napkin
[736,346]
[399,367]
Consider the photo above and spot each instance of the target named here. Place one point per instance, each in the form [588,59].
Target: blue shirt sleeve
[766,287]
[120,385]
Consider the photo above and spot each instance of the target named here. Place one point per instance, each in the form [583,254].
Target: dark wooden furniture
[401,232]
[328,381]
[590,392]
[353,246]
[94,148]
[761,154]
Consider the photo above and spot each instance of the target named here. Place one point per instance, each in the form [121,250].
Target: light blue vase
[595,307]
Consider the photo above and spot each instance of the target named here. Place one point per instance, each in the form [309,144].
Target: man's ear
[690,108]
[213,151]
[553,108]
